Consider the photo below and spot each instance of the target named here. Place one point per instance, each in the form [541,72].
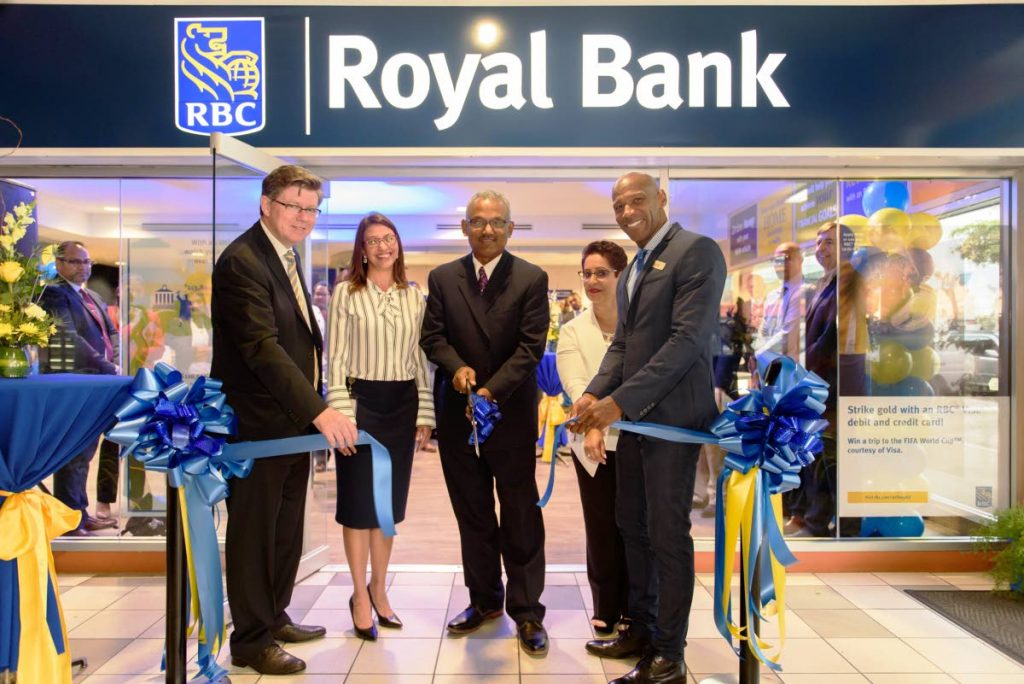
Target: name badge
[659,264]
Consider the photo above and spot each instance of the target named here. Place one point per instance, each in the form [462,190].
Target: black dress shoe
[367,633]
[655,669]
[533,638]
[294,634]
[79,532]
[389,621]
[93,524]
[272,660]
[630,643]
[471,619]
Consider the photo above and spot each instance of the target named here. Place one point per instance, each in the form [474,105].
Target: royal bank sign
[414,76]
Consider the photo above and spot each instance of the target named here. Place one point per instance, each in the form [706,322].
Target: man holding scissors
[485,329]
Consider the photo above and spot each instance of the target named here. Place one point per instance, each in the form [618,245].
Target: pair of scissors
[472,419]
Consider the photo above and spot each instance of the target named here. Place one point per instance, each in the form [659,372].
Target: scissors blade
[472,420]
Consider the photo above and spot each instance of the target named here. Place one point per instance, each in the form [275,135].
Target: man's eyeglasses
[295,209]
[386,240]
[76,262]
[481,223]
[599,273]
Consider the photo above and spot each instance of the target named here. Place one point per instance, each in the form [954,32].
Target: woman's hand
[423,436]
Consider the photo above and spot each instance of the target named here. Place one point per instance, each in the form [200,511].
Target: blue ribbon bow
[486,415]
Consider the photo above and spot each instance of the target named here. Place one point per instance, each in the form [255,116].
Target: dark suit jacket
[822,335]
[262,349]
[79,327]
[658,367]
[500,334]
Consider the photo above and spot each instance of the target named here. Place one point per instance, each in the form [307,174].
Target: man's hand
[423,436]
[600,414]
[339,430]
[463,379]
[593,446]
[581,405]
[485,393]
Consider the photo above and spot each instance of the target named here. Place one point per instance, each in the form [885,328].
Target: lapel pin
[659,264]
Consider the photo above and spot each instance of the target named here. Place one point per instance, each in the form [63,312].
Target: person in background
[657,369]
[321,298]
[83,323]
[784,308]
[486,328]
[374,349]
[582,344]
[571,308]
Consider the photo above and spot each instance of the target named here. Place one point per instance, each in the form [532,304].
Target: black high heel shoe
[389,621]
[370,633]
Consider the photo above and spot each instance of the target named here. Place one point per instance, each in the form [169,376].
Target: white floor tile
[116,624]
[917,678]
[423,579]
[478,656]
[878,597]
[813,655]
[912,579]
[476,679]
[882,655]
[400,656]
[383,679]
[140,598]
[418,597]
[73,618]
[849,579]
[317,579]
[822,678]
[967,579]
[564,679]
[564,656]
[568,624]
[917,623]
[92,598]
[68,581]
[562,579]
[327,656]
[965,656]
[141,656]
[986,679]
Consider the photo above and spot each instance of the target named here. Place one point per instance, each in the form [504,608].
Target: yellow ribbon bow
[550,415]
[29,520]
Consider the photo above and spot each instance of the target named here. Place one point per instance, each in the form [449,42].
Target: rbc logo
[219,75]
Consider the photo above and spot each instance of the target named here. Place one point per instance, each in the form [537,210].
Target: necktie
[293,278]
[94,311]
[638,267]
[481,279]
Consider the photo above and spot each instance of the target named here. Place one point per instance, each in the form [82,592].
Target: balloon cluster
[893,256]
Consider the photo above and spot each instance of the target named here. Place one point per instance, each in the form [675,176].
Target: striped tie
[293,278]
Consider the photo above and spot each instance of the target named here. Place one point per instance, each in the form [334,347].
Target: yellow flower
[5,308]
[6,329]
[28,329]
[7,242]
[46,257]
[35,311]
[10,271]
[18,233]
[53,330]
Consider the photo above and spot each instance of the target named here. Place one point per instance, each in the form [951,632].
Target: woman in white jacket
[582,343]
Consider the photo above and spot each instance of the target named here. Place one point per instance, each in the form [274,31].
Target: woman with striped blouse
[378,377]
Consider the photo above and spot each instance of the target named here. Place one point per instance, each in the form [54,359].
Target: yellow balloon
[925,231]
[858,224]
[924,363]
[888,229]
[890,364]
[923,304]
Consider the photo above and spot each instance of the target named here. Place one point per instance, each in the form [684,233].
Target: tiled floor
[840,628]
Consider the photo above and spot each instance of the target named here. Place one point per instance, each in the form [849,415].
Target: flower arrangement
[22,281]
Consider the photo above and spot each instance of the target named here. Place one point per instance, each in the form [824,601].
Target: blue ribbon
[181,430]
[486,415]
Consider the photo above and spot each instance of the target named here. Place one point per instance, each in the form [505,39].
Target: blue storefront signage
[453,76]
[743,236]
[219,75]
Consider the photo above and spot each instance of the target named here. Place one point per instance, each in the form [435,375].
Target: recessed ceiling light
[112,209]
[486,33]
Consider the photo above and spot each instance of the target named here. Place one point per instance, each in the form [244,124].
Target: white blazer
[581,347]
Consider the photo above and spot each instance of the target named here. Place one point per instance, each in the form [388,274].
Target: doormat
[993,617]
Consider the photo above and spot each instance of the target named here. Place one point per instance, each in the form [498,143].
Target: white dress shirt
[581,348]
[375,335]
[784,311]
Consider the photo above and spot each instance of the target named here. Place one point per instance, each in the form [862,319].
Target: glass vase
[13,362]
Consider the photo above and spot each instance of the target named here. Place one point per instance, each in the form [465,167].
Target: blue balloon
[861,256]
[885,194]
[909,386]
[892,526]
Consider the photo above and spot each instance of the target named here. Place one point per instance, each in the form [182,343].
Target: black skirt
[387,411]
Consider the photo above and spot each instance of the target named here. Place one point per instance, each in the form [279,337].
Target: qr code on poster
[983,497]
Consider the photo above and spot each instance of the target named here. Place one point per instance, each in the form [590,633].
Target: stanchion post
[176,595]
[750,667]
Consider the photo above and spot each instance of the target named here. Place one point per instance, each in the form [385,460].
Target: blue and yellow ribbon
[770,435]
[180,430]
[31,520]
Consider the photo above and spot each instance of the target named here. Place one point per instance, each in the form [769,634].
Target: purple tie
[481,279]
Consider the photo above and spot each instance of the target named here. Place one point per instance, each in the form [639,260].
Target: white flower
[35,311]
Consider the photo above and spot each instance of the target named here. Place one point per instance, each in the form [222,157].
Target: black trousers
[263,548]
[518,538]
[108,474]
[606,555]
[69,481]
[652,505]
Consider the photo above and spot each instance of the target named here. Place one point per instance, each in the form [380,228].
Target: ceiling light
[797,197]
[112,209]
[486,33]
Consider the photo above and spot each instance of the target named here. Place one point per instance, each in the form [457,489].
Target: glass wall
[902,309]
